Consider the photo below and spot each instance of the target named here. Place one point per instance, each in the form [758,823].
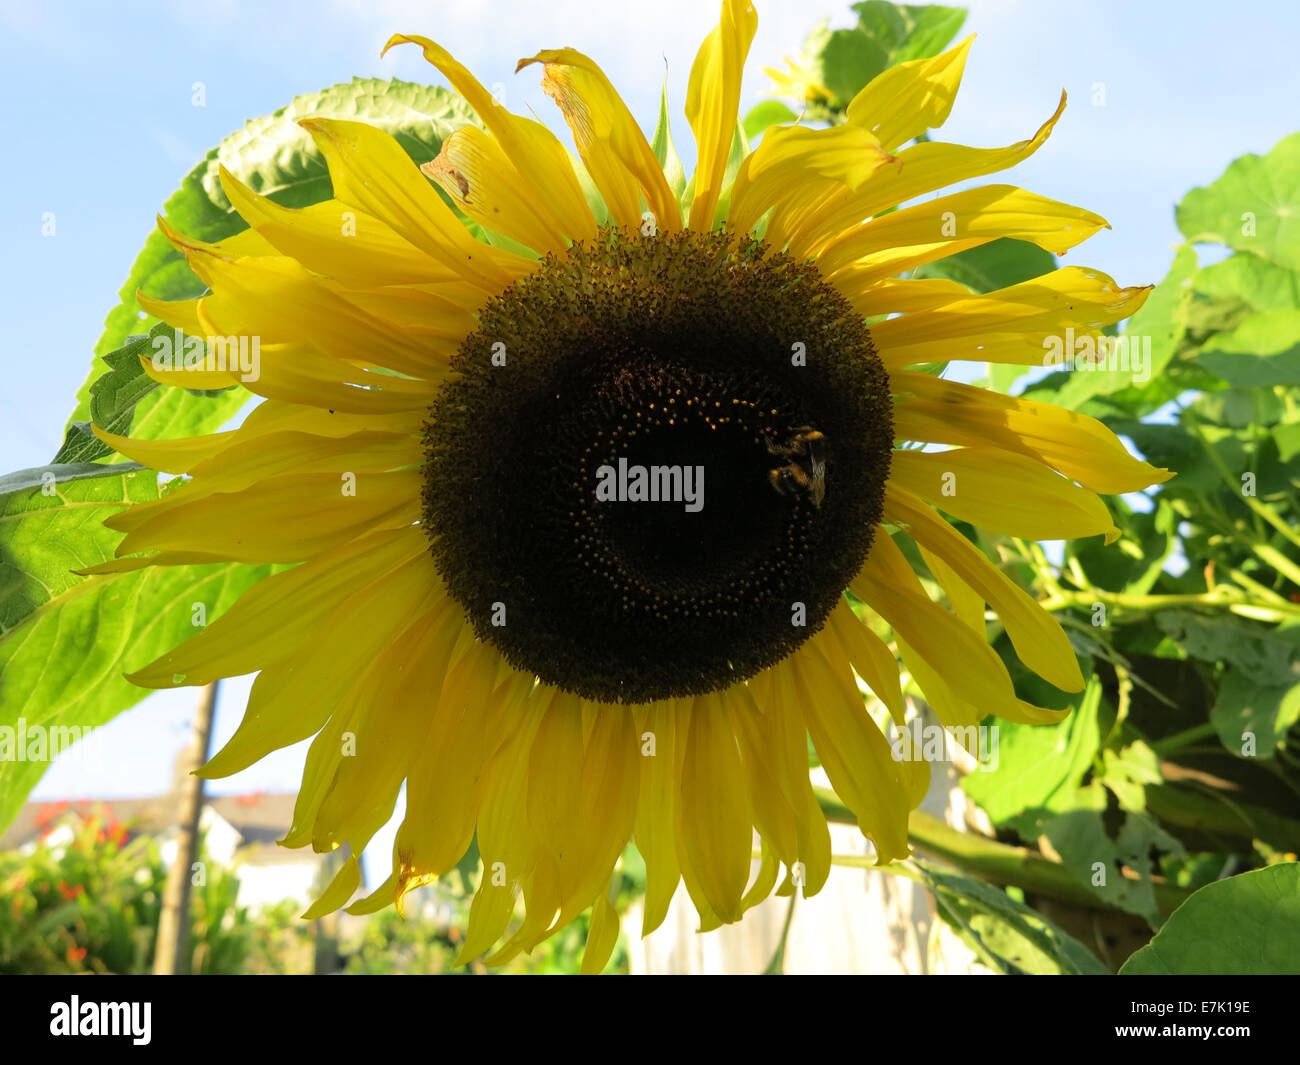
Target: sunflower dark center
[659,464]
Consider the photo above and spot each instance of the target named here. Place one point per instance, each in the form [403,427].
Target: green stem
[1279,561]
[996,862]
[1182,739]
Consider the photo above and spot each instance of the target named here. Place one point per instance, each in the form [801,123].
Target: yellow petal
[279,615]
[169,456]
[906,100]
[534,150]
[869,656]
[292,699]
[787,738]
[479,178]
[345,882]
[779,167]
[368,168]
[913,236]
[276,300]
[852,749]
[888,585]
[505,842]
[655,815]
[357,761]
[1081,448]
[336,239]
[444,788]
[772,813]
[179,314]
[601,937]
[715,825]
[712,99]
[917,170]
[1068,298]
[1003,492]
[1038,638]
[264,523]
[619,159]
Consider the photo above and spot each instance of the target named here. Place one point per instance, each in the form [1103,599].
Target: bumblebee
[805,472]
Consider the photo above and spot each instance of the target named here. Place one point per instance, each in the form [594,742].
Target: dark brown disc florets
[749,393]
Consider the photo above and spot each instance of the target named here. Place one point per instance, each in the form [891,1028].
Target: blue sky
[101,129]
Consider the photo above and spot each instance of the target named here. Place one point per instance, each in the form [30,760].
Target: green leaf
[1287,438]
[1089,852]
[1127,773]
[1262,284]
[1264,350]
[850,60]
[768,113]
[115,396]
[65,640]
[1252,718]
[1008,936]
[662,146]
[1252,648]
[910,31]
[1247,924]
[1253,207]
[1039,767]
[992,266]
[844,61]
[1133,564]
[275,157]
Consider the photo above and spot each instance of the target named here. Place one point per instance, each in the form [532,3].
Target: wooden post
[173,923]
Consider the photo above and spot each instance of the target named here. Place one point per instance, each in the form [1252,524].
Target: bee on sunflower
[553,673]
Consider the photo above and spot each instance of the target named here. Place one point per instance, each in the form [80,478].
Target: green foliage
[1254,207]
[1245,925]
[1181,761]
[275,157]
[1007,936]
[67,640]
[834,65]
[51,518]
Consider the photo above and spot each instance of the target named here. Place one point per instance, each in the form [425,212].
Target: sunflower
[599,494]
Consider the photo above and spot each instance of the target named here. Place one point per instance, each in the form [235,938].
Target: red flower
[76,953]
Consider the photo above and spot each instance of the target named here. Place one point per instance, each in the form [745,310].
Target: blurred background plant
[88,901]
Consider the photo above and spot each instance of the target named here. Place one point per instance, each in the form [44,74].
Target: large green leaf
[65,640]
[277,158]
[1095,857]
[1264,350]
[115,396]
[1247,924]
[1007,935]
[909,31]
[1253,207]
[1252,717]
[1262,284]
[1040,767]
